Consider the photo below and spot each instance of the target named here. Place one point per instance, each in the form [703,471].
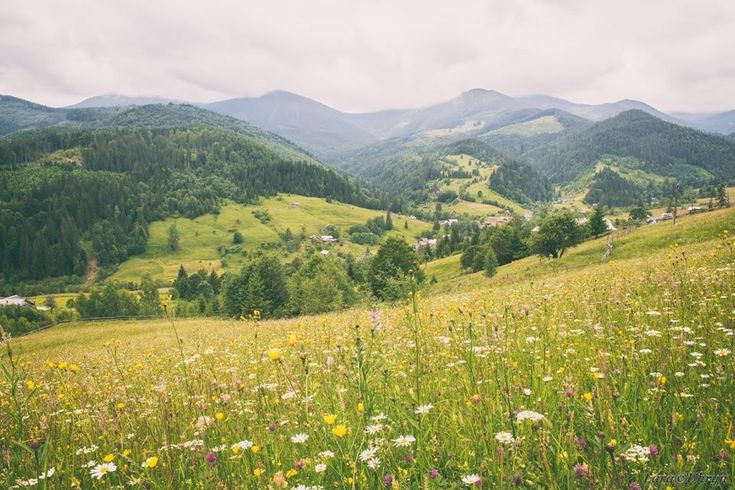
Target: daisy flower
[299,438]
[404,441]
[423,409]
[102,469]
[470,480]
[373,429]
[504,437]
[529,415]
[368,454]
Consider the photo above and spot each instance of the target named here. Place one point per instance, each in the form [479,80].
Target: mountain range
[332,134]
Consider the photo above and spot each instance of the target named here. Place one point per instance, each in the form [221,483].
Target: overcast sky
[372,54]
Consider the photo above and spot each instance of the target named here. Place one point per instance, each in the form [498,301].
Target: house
[16,300]
[662,217]
[609,224]
[450,222]
[425,243]
[326,239]
[495,221]
[695,209]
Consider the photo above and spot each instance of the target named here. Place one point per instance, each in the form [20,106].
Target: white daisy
[368,454]
[470,480]
[404,441]
[102,469]
[423,409]
[299,438]
[504,437]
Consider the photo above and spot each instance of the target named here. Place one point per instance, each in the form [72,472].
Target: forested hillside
[67,195]
[665,149]
[406,170]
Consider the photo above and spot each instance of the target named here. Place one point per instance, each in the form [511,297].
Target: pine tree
[173,237]
[597,225]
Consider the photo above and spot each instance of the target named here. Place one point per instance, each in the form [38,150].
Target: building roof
[15,300]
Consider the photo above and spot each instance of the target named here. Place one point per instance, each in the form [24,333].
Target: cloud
[366,55]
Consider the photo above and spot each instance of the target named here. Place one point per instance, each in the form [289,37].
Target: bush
[17,320]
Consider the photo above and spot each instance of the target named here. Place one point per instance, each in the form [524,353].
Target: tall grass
[595,377]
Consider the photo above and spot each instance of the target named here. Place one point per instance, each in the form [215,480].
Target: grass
[202,237]
[549,375]
[472,186]
[541,125]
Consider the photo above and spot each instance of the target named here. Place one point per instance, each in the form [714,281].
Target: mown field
[572,374]
[201,237]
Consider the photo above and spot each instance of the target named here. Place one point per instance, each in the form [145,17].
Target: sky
[368,55]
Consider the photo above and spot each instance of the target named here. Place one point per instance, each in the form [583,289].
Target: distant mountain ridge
[332,135]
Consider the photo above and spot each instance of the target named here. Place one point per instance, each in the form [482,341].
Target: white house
[425,243]
[16,300]
[662,217]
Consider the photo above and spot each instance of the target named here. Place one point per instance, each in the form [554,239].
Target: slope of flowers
[599,378]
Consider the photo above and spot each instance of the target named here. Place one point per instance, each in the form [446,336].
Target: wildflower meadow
[596,377]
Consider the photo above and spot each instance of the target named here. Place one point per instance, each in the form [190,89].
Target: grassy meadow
[201,237]
[571,374]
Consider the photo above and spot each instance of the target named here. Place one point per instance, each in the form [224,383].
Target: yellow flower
[30,385]
[74,368]
[291,473]
[340,430]
[587,396]
[292,340]
[257,472]
[361,407]
[126,453]
[662,380]
[255,450]
[612,443]
[151,462]
[275,354]
[109,458]
[330,419]
[219,416]
[63,365]
[120,405]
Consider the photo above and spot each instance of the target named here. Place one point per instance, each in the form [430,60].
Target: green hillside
[207,241]
[76,198]
[665,149]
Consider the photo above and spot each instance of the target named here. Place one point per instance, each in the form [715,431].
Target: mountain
[407,167]
[332,134]
[17,114]
[311,124]
[723,122]
[534,131]
[663,149]
[117,100]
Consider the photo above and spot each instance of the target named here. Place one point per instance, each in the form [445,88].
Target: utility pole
[675,192]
